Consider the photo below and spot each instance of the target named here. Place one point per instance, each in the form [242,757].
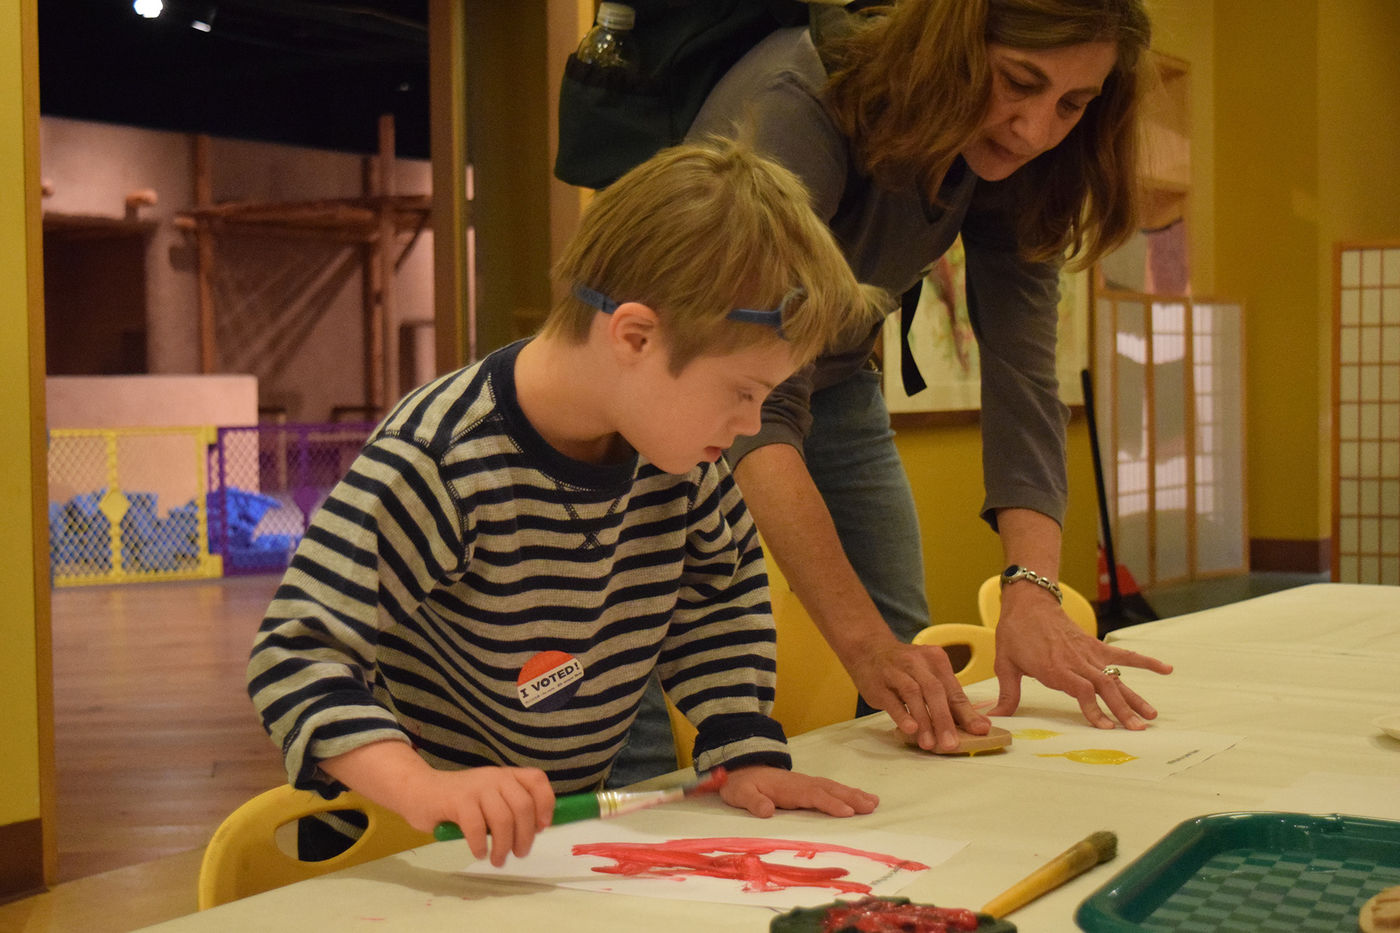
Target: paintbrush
[606,804]
[1096,848]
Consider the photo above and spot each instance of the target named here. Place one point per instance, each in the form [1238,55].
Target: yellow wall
[1185,29]
[960,550]
[1358,125]
[1307,146]
[1267,239]
[1358,146]
[21,670]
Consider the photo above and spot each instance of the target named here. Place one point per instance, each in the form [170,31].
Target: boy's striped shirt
[469,589]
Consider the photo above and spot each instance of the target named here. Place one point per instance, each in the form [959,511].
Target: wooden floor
[155,742]
[155,738]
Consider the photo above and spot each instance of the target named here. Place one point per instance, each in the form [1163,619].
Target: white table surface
[1299,675]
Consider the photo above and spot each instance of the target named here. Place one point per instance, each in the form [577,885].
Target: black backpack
[609,122]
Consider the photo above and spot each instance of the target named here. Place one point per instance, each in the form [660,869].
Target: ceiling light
[201,25]
[148,8]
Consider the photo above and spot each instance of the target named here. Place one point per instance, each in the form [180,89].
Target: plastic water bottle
[609,44]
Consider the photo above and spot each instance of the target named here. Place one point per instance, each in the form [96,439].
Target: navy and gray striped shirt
[469,589]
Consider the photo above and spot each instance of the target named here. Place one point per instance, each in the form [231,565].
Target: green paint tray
[1250,872]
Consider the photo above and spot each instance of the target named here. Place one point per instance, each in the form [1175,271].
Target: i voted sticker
[549,680]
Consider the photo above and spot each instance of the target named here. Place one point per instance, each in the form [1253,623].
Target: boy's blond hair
[701,229]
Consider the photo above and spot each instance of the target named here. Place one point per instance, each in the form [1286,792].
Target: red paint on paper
[737,859]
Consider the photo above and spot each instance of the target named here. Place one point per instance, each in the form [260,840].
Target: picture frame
[945,350]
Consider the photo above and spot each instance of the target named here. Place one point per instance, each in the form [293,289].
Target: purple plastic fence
[265,483]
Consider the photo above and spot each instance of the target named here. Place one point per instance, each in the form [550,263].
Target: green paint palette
[1251,872]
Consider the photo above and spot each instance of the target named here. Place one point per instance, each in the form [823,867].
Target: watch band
[1015,572]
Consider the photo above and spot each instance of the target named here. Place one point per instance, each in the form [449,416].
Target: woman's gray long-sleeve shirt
[891,237]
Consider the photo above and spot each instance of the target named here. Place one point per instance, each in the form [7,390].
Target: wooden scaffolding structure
[377,221]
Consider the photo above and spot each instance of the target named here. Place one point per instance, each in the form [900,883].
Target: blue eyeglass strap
[594,299]
[774,319]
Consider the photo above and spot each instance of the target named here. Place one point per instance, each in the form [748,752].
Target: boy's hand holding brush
[606,804]
[758,789]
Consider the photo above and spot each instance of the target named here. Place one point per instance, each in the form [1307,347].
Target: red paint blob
[735,859]
[876,915]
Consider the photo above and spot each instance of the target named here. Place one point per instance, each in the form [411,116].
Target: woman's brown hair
[909,87]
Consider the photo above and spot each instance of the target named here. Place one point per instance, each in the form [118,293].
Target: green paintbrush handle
[447,830]
[574,807]
[569,808]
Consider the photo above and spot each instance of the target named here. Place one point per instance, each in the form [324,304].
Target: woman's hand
[763,790]
[1036,638]
[915,685]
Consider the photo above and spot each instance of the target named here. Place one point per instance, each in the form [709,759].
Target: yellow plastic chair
[813,688]
[979,642]
[1079,609]
[244,857]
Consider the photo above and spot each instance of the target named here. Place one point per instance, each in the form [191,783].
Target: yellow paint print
[1033,735]
[1093,756]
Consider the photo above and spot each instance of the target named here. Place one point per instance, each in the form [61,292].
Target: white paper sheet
[1073,746]
[737,861]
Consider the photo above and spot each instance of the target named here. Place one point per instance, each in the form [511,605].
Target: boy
[470,622]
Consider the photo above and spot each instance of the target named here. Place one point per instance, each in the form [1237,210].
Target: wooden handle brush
[1095,849]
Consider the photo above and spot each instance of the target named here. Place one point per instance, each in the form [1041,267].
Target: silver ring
[1113,671]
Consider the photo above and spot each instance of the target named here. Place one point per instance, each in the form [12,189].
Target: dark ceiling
[292,71]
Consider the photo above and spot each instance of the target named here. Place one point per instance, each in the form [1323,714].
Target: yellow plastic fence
[129,505]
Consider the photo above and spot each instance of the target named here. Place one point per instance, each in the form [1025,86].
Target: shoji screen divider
[1366,413]
[1169,399]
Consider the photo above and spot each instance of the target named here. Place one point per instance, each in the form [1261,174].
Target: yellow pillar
[27,857]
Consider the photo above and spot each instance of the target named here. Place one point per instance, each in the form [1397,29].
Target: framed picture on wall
[943,345]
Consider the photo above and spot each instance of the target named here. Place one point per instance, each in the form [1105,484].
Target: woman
[1014,124]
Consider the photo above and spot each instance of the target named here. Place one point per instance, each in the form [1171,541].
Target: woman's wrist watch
[1016,572]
